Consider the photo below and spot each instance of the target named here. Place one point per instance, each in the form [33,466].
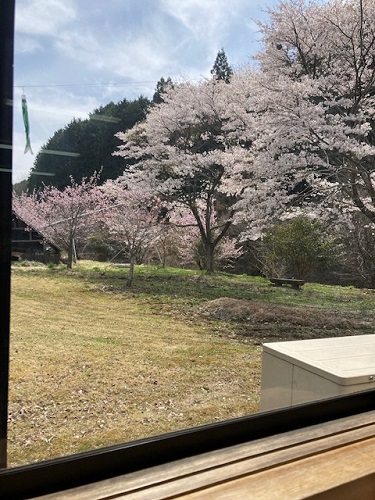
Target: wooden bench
[296,284]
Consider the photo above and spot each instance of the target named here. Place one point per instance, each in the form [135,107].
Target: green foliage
[356,247]
[296,248]
[221,69]
[86,146]
[98,247]
[20,187]
[161,87]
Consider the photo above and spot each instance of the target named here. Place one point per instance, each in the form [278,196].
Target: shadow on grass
[195,286]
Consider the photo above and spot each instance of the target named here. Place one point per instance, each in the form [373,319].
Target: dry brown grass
[90,369]
[94,363]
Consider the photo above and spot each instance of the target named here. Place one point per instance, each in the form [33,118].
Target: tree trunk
[131,271]
[210,257]
[70,256]
[372,279]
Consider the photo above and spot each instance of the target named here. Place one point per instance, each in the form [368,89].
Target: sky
[71,56]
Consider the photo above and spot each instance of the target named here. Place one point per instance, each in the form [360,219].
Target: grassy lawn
[94,363]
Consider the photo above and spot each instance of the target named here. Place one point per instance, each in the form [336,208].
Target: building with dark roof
[30,244]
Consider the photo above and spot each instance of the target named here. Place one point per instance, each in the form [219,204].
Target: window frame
[6,124]
[71,471]
[76,470]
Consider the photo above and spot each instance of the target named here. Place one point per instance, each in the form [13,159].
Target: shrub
[296,248]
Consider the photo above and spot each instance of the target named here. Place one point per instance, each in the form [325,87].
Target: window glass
[169,285]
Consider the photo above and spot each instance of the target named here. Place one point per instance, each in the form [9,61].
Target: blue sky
[71,56]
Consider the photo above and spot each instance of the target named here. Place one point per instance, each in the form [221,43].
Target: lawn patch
[95,363]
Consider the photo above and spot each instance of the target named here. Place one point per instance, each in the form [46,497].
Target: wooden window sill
[330,460]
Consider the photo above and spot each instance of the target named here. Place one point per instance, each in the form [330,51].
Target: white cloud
[211,18]
[43,17]
[215,24]
[82,47]
[140,60]
[200,18]
[27,45]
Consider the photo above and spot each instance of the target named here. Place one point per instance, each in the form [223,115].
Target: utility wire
[110,84]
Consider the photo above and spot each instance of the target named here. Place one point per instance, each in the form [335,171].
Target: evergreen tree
[161,87]
[221,69]
[297,248]
[20,187]
[86,146]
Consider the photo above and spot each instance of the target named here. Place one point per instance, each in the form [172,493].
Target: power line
[110,84]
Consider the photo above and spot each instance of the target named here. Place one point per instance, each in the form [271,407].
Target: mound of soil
[275,321]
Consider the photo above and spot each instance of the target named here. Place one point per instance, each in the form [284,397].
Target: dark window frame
[6,124]
[83,468]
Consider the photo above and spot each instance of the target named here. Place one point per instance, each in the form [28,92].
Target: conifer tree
[221,69]
[161,88]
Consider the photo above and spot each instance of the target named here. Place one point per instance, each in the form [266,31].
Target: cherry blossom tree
[315,103]
[188,243]
[132,220]
[65,217]
[185,152]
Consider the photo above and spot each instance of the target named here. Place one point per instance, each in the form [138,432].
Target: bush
[297,248]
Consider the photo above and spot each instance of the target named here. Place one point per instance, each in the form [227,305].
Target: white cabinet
[306,370]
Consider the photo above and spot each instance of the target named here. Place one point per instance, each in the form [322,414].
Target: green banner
[25,115]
